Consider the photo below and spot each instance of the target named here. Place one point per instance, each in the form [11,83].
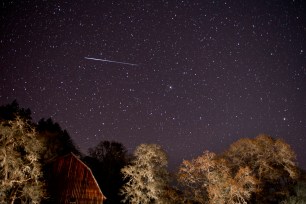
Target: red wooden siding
[73,182]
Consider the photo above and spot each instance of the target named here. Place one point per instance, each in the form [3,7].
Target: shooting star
[111,61]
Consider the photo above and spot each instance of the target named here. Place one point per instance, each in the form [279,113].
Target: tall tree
[272,161]
[106,161]
[147,175]
[20,169]
[58,141]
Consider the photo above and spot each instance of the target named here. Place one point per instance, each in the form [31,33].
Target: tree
[299,196]
[147,175]
[107,151]
[57,143]
[20,170]
[11,111]
[208,179]
[58,140]
[106,161]
[271,160]
[174,195]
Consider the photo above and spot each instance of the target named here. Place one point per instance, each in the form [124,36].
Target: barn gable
[73,182]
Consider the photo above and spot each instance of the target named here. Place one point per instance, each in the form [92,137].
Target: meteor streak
[111,61]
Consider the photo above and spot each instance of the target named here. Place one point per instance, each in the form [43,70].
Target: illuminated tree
[20,170]
[147,175]
[173,195]
[208,179]
[271,160]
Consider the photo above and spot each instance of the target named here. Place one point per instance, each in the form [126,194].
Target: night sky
[193,75]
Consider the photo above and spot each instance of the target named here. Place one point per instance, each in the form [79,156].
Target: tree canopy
[20,168]
[58,141]
[147,175]
[11,111]
[259,170]
[272,161]
[106,161]
[208,177]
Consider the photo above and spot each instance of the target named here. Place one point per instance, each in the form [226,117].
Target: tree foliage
[259,170]
[107,151]
[12,111]
[271,160]
[299,196]
[106,161]
[20,169]
[58,141]
[147,175]
[172,194]
[208,179]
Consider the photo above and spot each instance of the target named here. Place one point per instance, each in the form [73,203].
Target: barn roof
[72,181]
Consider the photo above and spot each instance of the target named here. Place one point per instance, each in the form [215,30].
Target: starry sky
[194,75]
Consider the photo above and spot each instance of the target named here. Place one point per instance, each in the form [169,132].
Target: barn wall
[73,181]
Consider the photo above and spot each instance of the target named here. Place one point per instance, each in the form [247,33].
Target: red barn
[71,181]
